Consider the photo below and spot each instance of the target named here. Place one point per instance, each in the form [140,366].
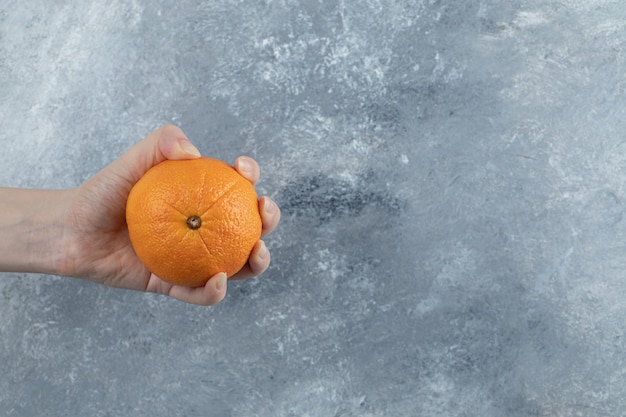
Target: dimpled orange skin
[162,215]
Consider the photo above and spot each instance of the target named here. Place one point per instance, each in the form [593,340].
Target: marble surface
[451,175]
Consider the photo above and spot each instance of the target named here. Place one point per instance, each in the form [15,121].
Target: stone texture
[451,176]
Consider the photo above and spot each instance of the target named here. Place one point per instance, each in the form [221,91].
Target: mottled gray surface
[452,180]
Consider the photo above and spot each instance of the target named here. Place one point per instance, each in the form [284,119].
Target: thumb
[167,142]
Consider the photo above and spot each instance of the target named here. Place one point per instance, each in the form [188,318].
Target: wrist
[33,229]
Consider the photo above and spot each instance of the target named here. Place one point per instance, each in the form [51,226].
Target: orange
[189,220]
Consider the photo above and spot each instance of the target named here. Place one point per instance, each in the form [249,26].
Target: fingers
[259,259]
[212,293]
[258,262]
[167,142]
[270,215]
[248,168]
[173,144]
[214,290]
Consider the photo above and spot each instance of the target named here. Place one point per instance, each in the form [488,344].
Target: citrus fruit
[191,219]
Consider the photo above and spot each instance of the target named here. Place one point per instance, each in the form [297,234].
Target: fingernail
[270,207]
[220,281]
[263,251]
[244,166]
[188,148]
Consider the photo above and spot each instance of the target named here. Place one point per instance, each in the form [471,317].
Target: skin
[81,232]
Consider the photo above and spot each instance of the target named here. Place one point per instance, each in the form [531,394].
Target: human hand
[99,248]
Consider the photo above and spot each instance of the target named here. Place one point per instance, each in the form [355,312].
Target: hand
[99,248]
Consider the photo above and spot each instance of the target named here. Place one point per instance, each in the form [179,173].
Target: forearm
[32,230]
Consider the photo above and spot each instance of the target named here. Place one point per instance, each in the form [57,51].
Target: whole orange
[189,220]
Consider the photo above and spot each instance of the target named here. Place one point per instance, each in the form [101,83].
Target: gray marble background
[451,175]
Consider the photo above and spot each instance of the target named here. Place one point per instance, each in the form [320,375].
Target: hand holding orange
[191,219]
